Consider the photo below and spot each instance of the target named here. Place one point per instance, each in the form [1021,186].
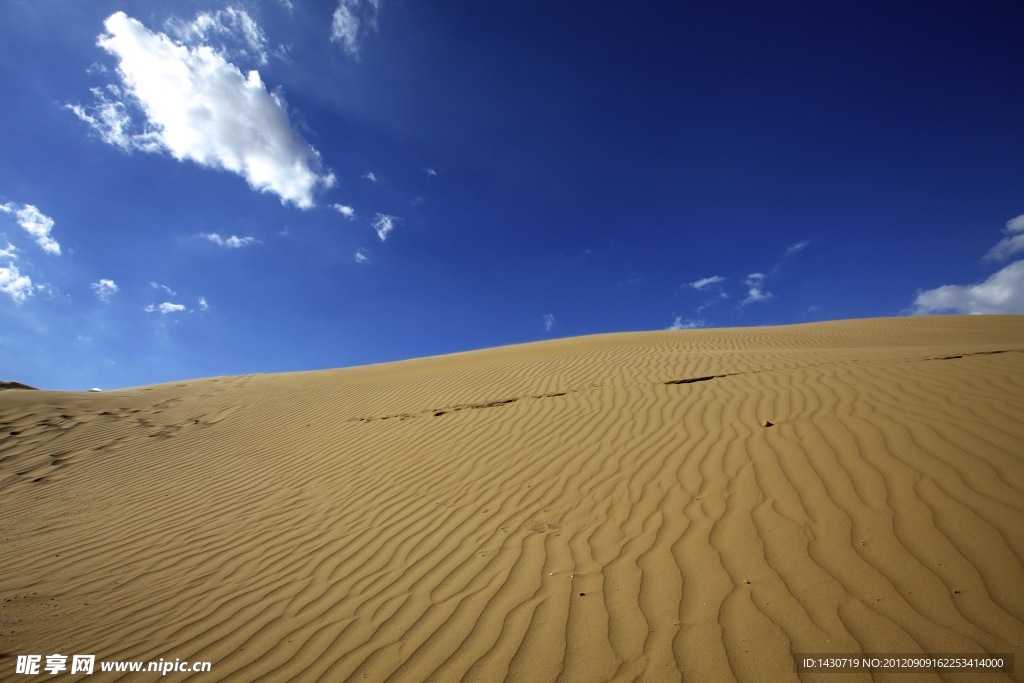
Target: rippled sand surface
[590,509]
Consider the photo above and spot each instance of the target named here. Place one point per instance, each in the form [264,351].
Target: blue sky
[194,189]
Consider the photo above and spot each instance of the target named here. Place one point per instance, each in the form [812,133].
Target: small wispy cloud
[370,175]
[163,288]
[681,324]
[233,242]
[164,308]
[634,278]
[430,171]
[797,247]
[12,282]
[756,292]
[203,306]
[384,224]
[352,19]
[549,321]
[104,289]
[710,303]
[36,224]
[109,118]
[706,282]
[242,35]
[361,255]
[1012,243]
[346,211]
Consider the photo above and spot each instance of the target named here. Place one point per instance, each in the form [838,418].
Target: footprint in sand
[542,527]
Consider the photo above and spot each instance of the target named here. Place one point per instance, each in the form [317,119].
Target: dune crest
[673,505]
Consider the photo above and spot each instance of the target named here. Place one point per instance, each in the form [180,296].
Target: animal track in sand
[691,380]
[976,353]
[438,412]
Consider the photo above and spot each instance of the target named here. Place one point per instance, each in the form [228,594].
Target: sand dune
[590,509]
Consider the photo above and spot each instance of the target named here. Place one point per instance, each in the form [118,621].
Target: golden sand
[589,509]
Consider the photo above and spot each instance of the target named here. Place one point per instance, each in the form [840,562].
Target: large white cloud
[200,107]
[1003,292]
[36,224]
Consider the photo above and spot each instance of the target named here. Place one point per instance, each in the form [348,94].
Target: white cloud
[681,324]
[12,282]
[755,279]
[384,224]
[246,38]
[105,289]
[198,106]
[755,282]
[1012,243]
[1002,292]
[202,304]
[755,294]
[36,224]
[162,288]
[369,175]
[712,302]
[549,321]
[345,28]
[431,172]
[110,119]
[164,308]
[797,247]
[350,18]
[233,242]
[706,282]
[361,256]
[346,211]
